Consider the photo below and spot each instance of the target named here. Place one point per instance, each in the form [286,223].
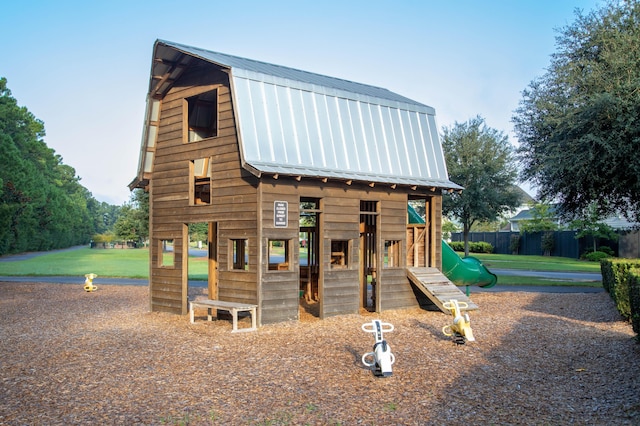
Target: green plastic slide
[460,271]
[465,270]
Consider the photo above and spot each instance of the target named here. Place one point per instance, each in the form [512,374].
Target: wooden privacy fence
[565,243]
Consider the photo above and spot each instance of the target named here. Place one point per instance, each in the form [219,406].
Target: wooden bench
[232,307]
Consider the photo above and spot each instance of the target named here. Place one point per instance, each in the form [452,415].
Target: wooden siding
[340,218]
[395,288]
[233,190]
[396,291]
[242,207]
[279,290]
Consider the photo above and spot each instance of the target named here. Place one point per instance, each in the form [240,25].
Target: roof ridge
[240,59]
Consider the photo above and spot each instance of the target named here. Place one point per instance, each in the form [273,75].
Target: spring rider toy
[381,358]
[460,330]
[88,283]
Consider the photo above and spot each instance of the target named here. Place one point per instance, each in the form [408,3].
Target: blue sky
[82,67]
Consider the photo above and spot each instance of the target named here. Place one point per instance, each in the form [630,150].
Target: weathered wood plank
[438,288]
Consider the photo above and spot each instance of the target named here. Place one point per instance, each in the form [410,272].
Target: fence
[565,243]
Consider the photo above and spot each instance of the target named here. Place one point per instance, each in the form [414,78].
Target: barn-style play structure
[304,181]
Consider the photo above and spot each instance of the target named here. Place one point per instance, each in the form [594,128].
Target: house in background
[618,222]
[525,213]
[628,243]
[268,155]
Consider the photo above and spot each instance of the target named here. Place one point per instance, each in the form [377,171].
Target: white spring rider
[381,358]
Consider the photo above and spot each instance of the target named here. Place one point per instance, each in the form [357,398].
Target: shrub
[615,279]
[606,270]
[603,249]
[457,245]
[514,244]
[548,242]
[634,299]
[474,246]
[607,250]
[480,247]
[596,256]
[103,238]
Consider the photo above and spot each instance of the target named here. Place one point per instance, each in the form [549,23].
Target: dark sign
[280,214]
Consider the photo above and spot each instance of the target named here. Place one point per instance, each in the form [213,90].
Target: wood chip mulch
[72,357]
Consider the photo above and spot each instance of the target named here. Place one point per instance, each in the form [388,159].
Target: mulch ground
[72,357]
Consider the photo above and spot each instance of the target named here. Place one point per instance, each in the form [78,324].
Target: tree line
[577,127]
[43,206]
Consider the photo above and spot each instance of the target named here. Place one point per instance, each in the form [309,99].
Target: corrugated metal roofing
[290,77]
[293,122]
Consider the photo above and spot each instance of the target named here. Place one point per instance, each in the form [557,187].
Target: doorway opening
[369,291]
[202,264]
[309,247]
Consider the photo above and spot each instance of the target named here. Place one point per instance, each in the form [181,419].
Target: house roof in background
[616,222]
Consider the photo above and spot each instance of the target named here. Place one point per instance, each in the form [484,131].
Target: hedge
[474,246]
[634,296]
[621,279]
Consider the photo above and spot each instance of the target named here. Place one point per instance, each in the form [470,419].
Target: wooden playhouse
[303,179]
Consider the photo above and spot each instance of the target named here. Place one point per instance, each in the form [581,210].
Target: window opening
[167,254]
[419,212]
[239,255]
[339,254]
[421,239]
[279,255]
[391,254]
[201,181]
[202,116]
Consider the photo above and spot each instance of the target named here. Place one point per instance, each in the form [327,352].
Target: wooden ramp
[438,288]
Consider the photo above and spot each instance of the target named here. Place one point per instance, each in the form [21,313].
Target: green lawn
[130,263]
[536,263]
[134,263]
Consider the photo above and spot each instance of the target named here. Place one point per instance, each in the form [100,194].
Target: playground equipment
[381,358]
[460,330]
[465,270]
[88,283]
[459,270]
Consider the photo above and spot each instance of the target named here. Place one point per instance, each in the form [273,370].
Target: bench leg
[234,314]
[253,319]
[191,313]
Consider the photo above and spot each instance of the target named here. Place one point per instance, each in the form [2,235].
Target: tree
[590,224]
[133,221]
[480,159]
[578,125]
[42,204]
[543,218]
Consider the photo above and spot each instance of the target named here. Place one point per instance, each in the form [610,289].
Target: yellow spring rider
[460,329]
[88,283]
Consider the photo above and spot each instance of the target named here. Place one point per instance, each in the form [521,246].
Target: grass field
[536,263]
[134,263]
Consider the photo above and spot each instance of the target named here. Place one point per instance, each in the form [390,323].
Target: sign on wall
[280,214]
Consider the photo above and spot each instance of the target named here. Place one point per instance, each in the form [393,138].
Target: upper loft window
[200,175]
[202,116]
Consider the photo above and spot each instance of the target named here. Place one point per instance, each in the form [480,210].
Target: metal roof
[294,122]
